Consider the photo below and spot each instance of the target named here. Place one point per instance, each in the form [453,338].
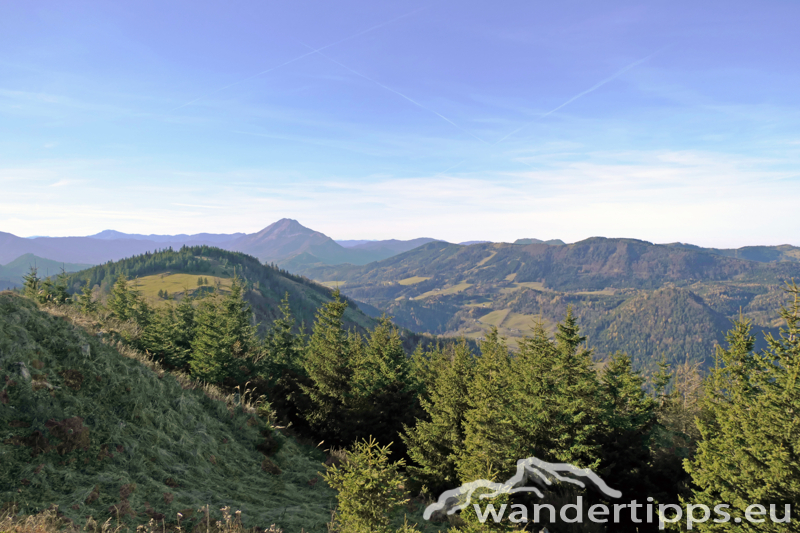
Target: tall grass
[103,434]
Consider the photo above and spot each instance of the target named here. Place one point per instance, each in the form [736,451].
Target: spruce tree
[558,411]
[211,360]
[224,341]
[327,363]
[284,347]
[488,438]
[369,490]
[281,367]
[32,283]
[577,404]
[121,300]
[628,429]
[750,434]
[384,398]
[436,441]
[86,301]
[60,294]
[183,333]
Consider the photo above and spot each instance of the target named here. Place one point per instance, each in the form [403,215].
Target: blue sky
[665,121]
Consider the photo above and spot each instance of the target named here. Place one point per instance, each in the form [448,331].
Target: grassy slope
[90,432]
[173,283]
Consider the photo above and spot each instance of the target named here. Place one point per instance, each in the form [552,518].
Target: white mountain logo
[530,469]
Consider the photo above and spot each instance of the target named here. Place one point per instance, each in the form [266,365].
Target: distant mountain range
[649,300]
[11,274]
[295,247]
[286,243]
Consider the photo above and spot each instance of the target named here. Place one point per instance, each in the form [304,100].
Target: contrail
[373,28]
[584,93]
[398,93]
[450,168]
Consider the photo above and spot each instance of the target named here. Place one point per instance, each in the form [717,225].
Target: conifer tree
[488,449]
[183,333]
[211,360]
[282,366]
[32,283]
[627,433]
[369,489]
[224,341]
[284,347]
[121,301]
[384,396]
[60,295]
[86,301]
[576,403]
[558,412]
[327,365]
[436,441]
[750,436]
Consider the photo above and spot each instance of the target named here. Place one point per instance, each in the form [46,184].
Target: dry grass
[149,286]
[412,280]
[242,398]
[455,289]
[51,521]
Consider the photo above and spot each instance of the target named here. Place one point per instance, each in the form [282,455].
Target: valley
[650,301]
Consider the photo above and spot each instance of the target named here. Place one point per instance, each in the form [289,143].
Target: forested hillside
[650,301]
[266,285]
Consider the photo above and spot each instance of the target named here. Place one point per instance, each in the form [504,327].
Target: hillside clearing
[413,280]
[149,286]
[450,290]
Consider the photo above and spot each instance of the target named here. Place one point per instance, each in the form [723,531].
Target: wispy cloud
[199,206]
[584,93]
[661,196]
[398,93]
[301,56]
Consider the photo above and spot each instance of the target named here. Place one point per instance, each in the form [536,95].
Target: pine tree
[32,283]
[436,441]
[327,365]
[384,398]
[86,300]
[121,301]
[369,489]
[628,431]
[224,342]
[211,360]
[750,436]
[577,405]
[488,436]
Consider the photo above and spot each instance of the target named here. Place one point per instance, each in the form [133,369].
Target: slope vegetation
[651,301]
[102,435]
[267,284]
